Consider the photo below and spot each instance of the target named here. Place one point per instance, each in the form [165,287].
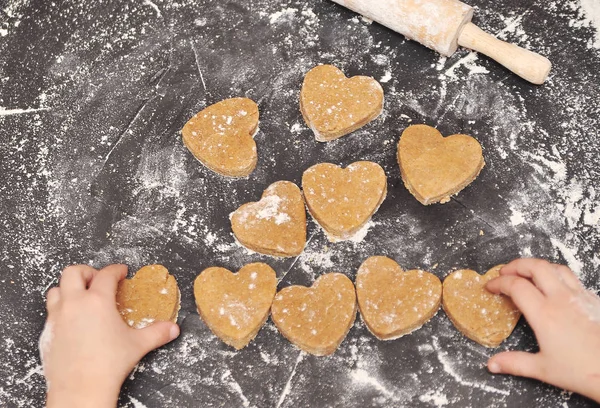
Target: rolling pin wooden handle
[526,64]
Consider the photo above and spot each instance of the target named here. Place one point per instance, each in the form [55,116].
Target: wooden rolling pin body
[443,25]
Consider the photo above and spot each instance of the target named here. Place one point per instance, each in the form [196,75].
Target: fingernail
[494,368]
[174,332]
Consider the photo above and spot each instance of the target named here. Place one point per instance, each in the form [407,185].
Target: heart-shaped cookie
[480,315]
[222,136]
[235,306]
[342,201]
[333,105]
[393,302]
[150,296]
[275,225]
[316,319]
[434,167]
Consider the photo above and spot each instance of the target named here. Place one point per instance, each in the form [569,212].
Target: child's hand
[566,320]
[87,349]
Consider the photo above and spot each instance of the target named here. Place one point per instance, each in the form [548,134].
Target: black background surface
[98,174]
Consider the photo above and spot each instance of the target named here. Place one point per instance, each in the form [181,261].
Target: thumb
[517,363]
[156,335]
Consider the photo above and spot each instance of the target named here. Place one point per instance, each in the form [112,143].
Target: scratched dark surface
[92,170]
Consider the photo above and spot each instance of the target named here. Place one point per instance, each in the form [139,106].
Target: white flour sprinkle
[447,364]
[360,376]
[469,62]
[591,11]
[269,209]
[136,403]
[386,77]
[144,322]
[465,94]
[435,397]
[283,14]
[570,256]
[45,342]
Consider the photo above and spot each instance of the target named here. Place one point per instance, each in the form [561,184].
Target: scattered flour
[360,376]
[235,386]
[163,178]
[136,403]
[435,397]
[517,217]
[386,77]
[316,261]
[45,343]
[591,11]
[570,256]
[288,385]
[283,14]
[448,367]
[469,62]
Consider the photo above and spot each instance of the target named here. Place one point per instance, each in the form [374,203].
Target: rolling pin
[443,25]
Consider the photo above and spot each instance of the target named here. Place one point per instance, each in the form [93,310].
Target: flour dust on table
[94,171]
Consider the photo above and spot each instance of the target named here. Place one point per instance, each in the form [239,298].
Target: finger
[541,272]
[523,293]
[107,280]
[52,298]
[156,335]
[76,278]
[518,363]
[566,275]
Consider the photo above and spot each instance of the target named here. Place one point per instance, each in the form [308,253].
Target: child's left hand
[87,349]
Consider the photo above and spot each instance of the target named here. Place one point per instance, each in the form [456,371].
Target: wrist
[93,395]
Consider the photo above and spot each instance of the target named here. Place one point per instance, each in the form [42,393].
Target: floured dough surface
[221,136]
[316,319]
[434,167]
[482,316]
[235,305]
[334,105]
[394,302]
[341,200]
[150,296]
[275,225]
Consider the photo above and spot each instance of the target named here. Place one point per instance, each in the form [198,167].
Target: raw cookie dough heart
[333,105]
[316,319]
[342,201]
[482,316]
[275,225]
[151,295]
[434,167]
[235,306]
[221,136]
[393,302]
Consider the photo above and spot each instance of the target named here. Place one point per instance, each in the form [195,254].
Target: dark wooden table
[93,170]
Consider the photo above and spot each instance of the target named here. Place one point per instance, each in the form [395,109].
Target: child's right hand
[566,320]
